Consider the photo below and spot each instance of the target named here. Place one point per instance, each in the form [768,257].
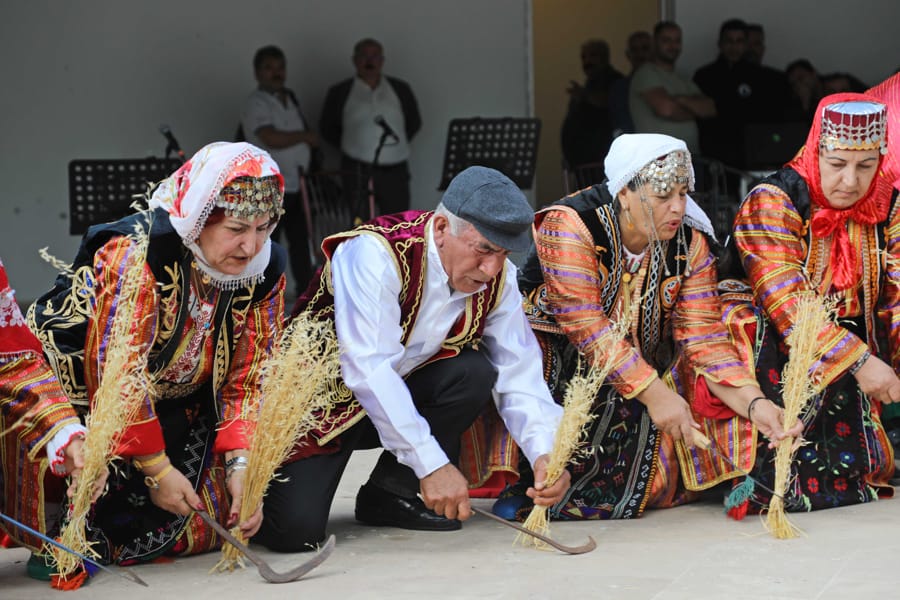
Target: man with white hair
[429,320]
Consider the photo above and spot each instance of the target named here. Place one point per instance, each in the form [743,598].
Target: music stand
[507,144]
[102,190]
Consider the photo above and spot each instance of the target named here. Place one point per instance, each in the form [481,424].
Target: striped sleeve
[889,306]
[697,322]
[572,275]
[31,397]
[770,235]
[144,434]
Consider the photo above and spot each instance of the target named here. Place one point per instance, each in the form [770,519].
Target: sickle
[705,443]
[587,547]
[262,566]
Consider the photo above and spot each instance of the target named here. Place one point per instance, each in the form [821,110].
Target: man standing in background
[744,94]
[660,99]
[362,111]
[273,121]
[638,51]
[587,130]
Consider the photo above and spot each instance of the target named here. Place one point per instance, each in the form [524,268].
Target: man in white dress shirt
[272,120]
[368,111]
[429,319]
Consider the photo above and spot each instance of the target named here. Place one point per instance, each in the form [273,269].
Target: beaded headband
[665,172]
[854,126]
[251,197]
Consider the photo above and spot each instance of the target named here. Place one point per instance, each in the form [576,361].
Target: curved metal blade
[262,566]
[587,547]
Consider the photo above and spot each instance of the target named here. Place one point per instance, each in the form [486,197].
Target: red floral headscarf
[870,209]
[191,193]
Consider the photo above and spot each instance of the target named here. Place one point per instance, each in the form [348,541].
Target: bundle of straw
[799,385]
[295,388]
[123,388]
[581,392]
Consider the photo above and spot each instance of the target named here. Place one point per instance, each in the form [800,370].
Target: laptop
[770,145]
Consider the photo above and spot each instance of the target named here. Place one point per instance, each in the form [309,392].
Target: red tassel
[73,582]
[739,512]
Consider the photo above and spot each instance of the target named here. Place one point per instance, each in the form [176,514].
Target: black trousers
[390,182]
[293,224]
[449,394]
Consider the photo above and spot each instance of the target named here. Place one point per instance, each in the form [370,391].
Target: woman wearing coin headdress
[209,309]
[636,251]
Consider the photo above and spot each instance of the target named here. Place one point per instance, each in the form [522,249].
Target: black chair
[578,177]
[333,201]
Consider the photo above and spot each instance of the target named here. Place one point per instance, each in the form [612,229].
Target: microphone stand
[370,182]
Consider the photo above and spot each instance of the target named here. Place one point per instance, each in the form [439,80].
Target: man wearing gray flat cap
[429,319]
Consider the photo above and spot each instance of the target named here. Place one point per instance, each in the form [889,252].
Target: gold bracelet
[155,460]
[152,481]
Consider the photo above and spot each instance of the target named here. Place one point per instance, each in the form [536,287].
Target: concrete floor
[692,552]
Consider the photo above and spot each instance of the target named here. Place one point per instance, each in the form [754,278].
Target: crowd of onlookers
[719,112]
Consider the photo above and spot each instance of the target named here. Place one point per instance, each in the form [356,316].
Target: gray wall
[95,79]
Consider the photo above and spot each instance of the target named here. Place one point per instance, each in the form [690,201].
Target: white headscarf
[189,195]
[631,152]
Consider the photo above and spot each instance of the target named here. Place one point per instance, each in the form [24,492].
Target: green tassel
[738,500]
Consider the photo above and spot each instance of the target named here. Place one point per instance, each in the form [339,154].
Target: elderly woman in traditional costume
[827,223]
[636,252]
[209,310]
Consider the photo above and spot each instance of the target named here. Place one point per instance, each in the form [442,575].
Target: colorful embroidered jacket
[782,259]
[27,384]
[73,321]
[583,283]
[403,234]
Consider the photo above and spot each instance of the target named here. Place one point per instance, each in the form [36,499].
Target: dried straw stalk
[123,388]
[581,392]
[295,388]
[799,385]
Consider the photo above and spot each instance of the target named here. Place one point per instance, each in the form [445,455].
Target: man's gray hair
[457,224]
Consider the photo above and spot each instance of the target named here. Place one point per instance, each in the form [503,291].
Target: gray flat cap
[492,203]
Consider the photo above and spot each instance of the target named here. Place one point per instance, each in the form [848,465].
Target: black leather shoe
[375,506]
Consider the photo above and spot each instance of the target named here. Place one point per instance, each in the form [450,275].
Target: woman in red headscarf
[828,223]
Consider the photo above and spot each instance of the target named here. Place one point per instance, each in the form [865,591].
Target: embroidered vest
[404,236]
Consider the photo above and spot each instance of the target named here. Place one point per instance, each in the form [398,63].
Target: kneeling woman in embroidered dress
[209,307]
[828,223]
[636,250]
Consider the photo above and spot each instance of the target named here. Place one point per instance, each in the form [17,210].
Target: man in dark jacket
[372,119]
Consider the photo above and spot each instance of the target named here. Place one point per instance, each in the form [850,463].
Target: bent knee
[292,533]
